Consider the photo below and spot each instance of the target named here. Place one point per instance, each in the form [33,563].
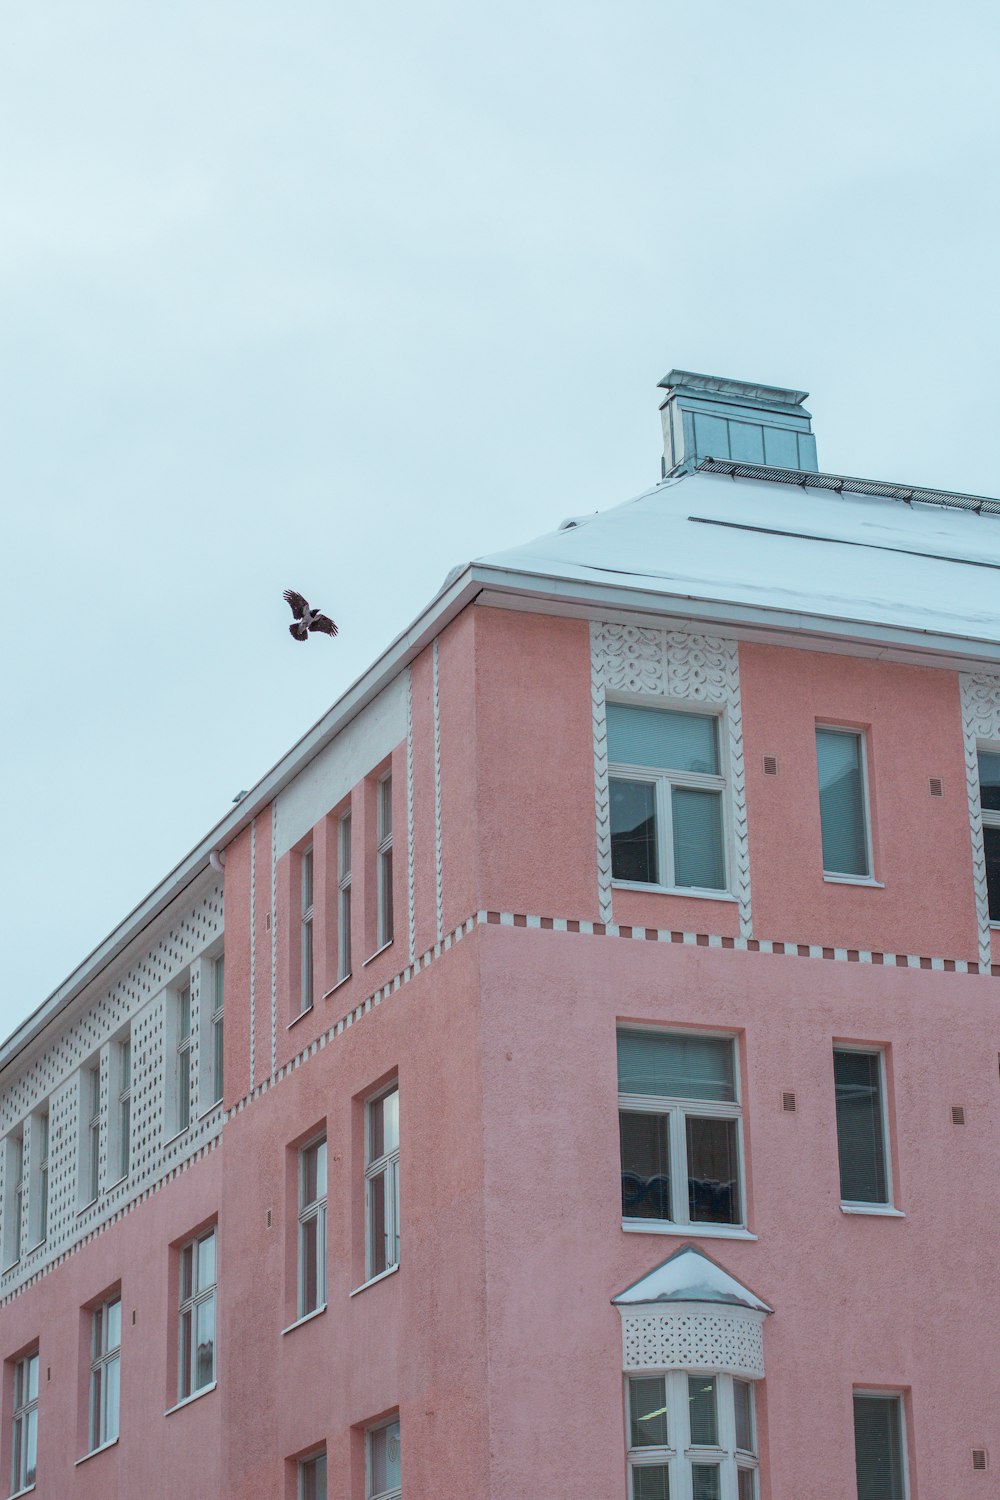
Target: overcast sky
[334,296]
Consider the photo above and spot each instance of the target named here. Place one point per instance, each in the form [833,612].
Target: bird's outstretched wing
[298,604]
[297,633]
[325,624]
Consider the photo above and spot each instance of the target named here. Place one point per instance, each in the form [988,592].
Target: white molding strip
[677,666]
[410,886]
[274,934]
[438,852]
[253,942]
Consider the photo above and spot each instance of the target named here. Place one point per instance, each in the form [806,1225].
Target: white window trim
[383,859]
[14,1195]
[381,1167]
[838,877]
[678,1109]
[370,1493]
[887,1209]
[89,1166]
[900,1399]
[663,780]
[315,1209]
[120,1148]
[344,868]
[99,1362]
[183,1047]
[307,906]
[216,1025]
[39,1177]
[678,1455]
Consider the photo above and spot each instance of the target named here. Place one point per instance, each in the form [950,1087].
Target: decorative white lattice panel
[676,665]
[694,1336]
[133,1000]
[980,721]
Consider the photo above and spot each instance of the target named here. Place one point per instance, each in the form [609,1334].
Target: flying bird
[306,618]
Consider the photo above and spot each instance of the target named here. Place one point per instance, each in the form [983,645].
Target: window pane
[311,1250]
[385,808]
[205,1353]
[379,1249]
[112,1374]
[345,932]
[206,1262]
[989,780]
[645,1149]
[33,1377]
[31,1445]
[878,1448]
[185,1013]
[676,1067]
[698,853]
[96,1406]
[991,840]
[184,1090]
[345,845]
[307,880]
[633,831]
[701,1409]
[713,1171]
[743,1399]
[187,1320]
[390,1121]
[841,803]
[747,1489]
[664,739]
[385,1459]
[218,1045]
[313,1480]
[860,1136]
[705,1482]
[113,1326]
[648,1410]
[385,895]
[650,1482]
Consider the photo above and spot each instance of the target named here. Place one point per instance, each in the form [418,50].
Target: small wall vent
[958,1114]
[936,786]
[770,765]
[788,1103]
[979,1458]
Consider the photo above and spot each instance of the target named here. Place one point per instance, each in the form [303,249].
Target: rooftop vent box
[708,416]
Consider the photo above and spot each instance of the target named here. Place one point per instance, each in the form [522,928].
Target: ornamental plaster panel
[980,697]
[694,1336]
[676,666]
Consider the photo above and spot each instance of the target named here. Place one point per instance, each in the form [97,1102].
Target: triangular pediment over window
[689,1275]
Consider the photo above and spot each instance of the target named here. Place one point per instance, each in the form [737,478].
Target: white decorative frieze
[694,1336]
[980,697]
[675,666]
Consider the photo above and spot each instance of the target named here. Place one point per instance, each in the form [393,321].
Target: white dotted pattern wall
[134,1004]
[702,1337]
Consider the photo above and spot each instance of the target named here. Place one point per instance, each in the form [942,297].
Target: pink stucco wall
[496,1340]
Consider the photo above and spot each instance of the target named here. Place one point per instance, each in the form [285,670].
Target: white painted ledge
[373,1279]
[672,890]
[95,1451]
[872,1210]
[305,1318]
[689,1231]
[206,1390]
[862,880]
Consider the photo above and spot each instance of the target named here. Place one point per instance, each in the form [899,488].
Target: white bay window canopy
[690,1314]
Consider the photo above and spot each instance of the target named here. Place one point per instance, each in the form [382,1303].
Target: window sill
[373,1279]
[300,1017]
[305,1318]
[206,1390]
[372,957]
[176,1136]
[337,986]
[86,1210]
[672,890]
[873,1210]
[210,1109]
[692,1231]
[95,1451]
[864,880]
[18,1493]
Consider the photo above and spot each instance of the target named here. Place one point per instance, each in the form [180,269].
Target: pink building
[573,1070]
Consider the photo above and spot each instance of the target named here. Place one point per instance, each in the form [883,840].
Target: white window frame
[678,1109]
[344,896]
[188,1307]
[899,1397]
[396,1493]
[216,1032]
[835,877]
[307,893]
[663,781]
[15,1196]
[680,1454]
[102,1356]
[122,1059]
[382,1170]
[383,860]
[39,1147]
[302,1467]
[184,1054]
[90,1134]
[990,817]
[860,1205]
[25,1408]
[310,1212]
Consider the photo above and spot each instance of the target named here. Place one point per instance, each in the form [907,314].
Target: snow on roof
[759,544]
[690,1276]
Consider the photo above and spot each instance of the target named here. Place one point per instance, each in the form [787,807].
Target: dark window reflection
[633,831]
[991,839]
[713,1171]
[645,1166]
